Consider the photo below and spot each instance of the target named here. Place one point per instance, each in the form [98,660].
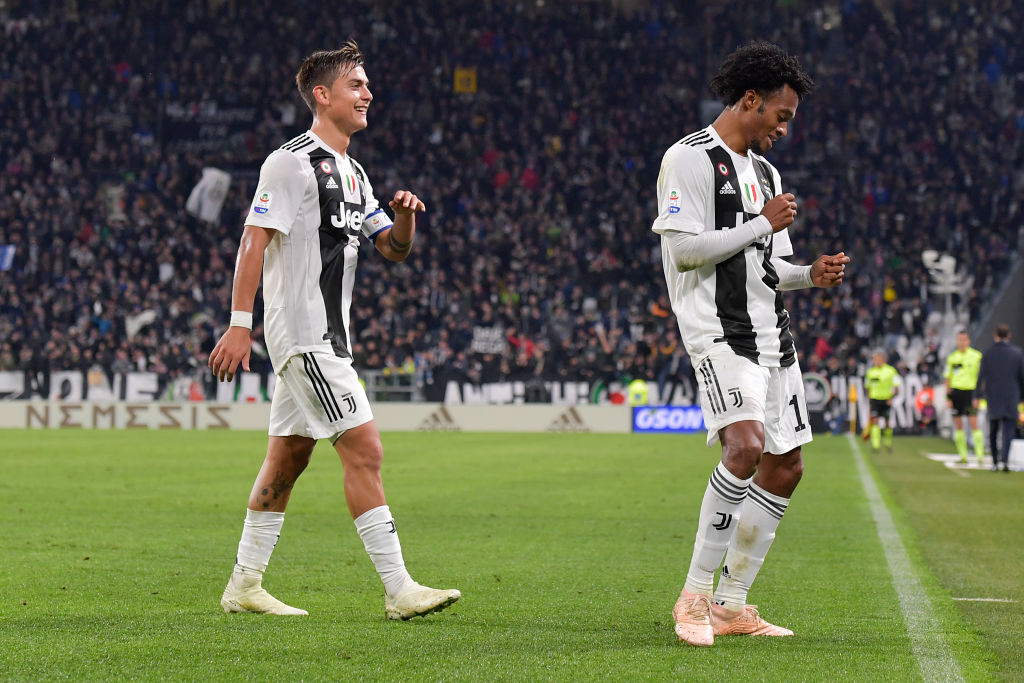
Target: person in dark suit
[1001,383]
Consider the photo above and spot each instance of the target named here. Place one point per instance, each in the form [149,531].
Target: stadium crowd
[535,258]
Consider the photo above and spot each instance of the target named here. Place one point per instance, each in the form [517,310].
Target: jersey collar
[336,153]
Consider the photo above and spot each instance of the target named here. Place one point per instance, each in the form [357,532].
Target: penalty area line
[984,600]
[933,655]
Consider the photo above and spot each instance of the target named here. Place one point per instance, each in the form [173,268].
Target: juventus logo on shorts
[349,401]
[737,397]
[723,523]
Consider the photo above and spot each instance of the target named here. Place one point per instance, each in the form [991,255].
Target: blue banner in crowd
[668,419]
[6,256]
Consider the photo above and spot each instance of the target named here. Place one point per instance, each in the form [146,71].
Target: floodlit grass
[968,527]
[570,550]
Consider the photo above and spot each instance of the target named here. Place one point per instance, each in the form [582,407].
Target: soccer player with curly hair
[723,217]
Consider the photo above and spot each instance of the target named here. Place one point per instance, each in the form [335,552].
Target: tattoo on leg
[278,487]
[281,484]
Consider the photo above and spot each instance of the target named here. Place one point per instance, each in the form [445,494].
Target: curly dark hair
[762,67]
[323,67]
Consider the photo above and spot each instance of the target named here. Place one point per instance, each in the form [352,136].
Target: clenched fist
[780,211]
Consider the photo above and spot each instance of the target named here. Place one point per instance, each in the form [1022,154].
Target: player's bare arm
[828,270]
[780,211]
[395,243]
[235,344]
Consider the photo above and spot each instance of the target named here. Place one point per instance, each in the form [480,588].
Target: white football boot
[415,600]
[246,594]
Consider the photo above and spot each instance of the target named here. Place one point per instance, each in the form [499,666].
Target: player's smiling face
[349,100]
[770,117]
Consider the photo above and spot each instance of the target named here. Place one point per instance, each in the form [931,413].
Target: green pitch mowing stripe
[570,551]
[933,655]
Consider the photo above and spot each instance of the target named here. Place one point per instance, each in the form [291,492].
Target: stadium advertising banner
[828,398]
[405,417]
[148,415]
[668,419]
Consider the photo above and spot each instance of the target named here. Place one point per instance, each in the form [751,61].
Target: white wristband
[241,319]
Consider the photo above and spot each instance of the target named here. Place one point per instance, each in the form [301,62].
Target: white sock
[719,515]
[759,519]
[259,536]
[380,538]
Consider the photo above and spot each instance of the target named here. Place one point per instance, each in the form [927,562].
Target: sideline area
[932,652]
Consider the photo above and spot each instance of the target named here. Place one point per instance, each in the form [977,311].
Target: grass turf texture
[570,551]
[967,526]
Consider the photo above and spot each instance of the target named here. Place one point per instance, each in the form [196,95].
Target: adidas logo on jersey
[331,184]
[727,188]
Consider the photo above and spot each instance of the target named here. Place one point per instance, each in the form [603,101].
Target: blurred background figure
[883,384]
[961,379]
[1002,385]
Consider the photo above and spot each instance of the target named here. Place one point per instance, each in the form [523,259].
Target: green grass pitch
[570,550]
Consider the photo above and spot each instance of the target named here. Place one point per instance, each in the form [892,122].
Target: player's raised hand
[780,210]
[828,271]
[406,202]
[234,347]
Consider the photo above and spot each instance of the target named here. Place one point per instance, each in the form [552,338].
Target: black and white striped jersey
[703,186]
[319,202]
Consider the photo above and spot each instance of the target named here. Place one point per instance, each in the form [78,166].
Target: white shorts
[318,395]
[734,388]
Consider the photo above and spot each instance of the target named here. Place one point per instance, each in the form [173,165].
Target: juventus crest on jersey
[704,186]
[319,202]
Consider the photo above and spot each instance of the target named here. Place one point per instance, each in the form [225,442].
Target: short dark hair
[762,67]
[1003,331]
[323,67]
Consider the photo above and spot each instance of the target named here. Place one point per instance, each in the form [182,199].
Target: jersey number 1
[796,409]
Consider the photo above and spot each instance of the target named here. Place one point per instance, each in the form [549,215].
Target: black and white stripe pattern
[339,247]
[734,302]
[297,143]
[716,399]
[701,137]
[786,345]
[731,296]
[322,388]
[760,497]
[726,489]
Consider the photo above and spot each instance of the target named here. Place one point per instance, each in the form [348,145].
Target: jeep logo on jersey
[347,218]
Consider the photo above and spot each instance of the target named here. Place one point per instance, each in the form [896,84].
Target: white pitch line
[933,655]
[983,600]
